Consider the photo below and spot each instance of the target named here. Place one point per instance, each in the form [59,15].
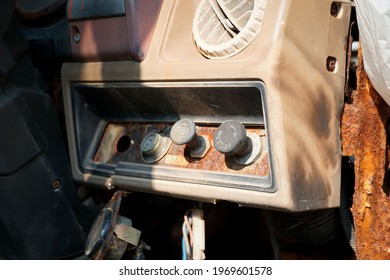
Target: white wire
[185,236]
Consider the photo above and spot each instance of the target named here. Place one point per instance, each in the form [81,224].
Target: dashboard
[209,100]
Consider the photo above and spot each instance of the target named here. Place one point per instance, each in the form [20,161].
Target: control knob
[154,146]
[230,139]
[183,132]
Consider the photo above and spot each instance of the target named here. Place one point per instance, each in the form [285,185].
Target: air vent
[223,28]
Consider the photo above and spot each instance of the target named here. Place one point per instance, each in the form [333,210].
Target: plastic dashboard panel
[279,88]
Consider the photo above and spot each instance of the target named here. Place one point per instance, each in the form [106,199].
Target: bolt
[331,63]
[76,38]
[332,66]
[56,184]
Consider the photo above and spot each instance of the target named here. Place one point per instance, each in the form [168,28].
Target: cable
[188,223]
[183,249]
[186,242]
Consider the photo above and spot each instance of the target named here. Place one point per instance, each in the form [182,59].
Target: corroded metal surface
[364,136]
[178,155]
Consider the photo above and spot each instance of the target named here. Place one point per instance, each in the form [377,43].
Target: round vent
[223,28]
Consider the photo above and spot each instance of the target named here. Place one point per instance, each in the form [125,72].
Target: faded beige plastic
[226,34]
[304,99]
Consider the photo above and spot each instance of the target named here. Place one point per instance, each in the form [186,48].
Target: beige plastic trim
[304,98]
[215,39]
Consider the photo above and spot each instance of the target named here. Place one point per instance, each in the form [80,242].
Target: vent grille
[223,28]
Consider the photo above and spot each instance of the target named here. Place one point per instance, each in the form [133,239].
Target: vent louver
[223,28]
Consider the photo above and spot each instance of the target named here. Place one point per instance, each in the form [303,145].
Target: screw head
[331,63]
[76,38]
[56,184]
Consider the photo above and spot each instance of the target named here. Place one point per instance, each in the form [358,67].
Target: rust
[116,249]
[178,155]
[364,136]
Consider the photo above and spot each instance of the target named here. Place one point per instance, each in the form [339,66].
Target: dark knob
[230,139]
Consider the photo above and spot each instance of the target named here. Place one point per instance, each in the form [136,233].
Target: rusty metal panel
[364,136]
[111,151]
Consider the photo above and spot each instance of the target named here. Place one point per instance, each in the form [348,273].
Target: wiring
[183,249]
[185,242]
[188,237]
[189,227]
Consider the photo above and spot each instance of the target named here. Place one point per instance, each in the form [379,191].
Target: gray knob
[154,146]
[230,139]
[183,132]
[152,143]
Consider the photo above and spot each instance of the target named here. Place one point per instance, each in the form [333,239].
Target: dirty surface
[110,151]
[365,137]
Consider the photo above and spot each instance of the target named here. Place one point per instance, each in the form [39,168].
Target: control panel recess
[209,133]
